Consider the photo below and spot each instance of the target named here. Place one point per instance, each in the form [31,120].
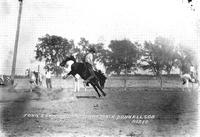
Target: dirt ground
[60,112]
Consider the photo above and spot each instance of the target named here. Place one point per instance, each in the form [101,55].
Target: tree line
[161,55]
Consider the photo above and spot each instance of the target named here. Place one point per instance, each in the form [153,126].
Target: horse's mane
[68,58]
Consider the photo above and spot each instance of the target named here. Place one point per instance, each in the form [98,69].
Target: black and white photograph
[99,68]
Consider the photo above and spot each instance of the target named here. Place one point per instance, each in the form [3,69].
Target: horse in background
[187,79]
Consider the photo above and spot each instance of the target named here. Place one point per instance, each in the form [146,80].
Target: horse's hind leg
[99,87]
[96,89]
[104,94]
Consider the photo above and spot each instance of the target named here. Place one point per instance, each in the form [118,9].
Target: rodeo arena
[52,86]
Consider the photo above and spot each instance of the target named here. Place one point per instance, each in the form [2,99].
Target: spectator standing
[192,71]
[48,78]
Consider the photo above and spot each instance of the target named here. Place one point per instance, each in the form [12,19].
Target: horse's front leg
[78,85]
[76,88]
[85,88]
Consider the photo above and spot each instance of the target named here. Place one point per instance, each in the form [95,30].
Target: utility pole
[16,41]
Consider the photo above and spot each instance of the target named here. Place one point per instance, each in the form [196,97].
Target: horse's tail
[101,73]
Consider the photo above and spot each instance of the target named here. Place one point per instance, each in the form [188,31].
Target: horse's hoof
[104,94]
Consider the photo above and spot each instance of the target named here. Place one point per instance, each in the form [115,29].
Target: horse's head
[63,63]
[102,78]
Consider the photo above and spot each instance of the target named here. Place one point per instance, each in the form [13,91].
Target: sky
[96,20]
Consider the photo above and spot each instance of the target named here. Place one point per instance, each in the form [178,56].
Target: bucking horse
[79,68]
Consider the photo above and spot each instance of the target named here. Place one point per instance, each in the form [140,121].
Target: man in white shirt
[48,78]
[192,71]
